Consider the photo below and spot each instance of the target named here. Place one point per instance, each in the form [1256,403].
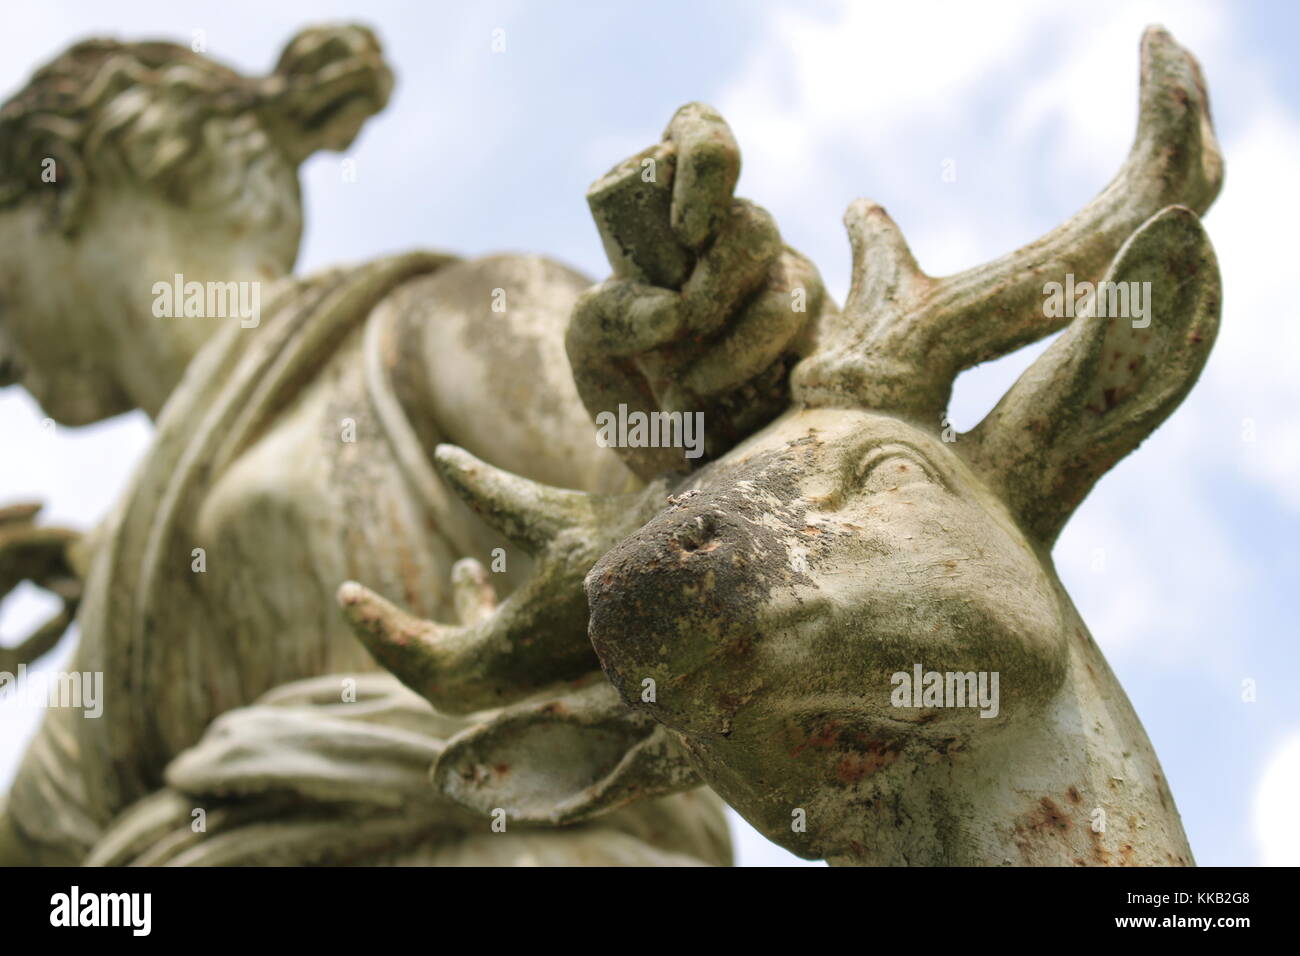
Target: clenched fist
[706,311]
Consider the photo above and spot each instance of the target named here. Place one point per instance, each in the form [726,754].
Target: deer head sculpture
[850,625]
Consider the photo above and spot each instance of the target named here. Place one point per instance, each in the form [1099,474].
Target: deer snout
[678,612]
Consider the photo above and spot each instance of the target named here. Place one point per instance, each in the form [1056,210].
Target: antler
[904,336]
[538,635]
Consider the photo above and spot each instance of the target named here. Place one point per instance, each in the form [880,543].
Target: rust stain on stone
[1051,817]
[823,739]
[854,766]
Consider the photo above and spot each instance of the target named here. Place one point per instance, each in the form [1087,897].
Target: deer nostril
[699,533]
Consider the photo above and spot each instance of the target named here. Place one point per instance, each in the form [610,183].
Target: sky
[1183,560]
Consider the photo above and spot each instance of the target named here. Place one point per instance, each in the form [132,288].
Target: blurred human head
[126,164]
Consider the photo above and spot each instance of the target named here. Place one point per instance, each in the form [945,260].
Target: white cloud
[865,99]
[1277,829]
[1087,101]
[1253,370]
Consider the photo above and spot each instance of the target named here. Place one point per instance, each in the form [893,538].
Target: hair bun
[328,82]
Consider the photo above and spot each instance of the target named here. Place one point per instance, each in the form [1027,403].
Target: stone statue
[292,453]
[850,620]
[764,540]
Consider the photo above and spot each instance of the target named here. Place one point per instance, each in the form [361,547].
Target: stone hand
[39,555]
[705,311]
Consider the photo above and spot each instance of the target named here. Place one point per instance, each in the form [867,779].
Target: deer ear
[1107,382]
[562,760]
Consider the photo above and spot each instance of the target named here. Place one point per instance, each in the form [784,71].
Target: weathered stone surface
[758,609]
[788,590]
[303,778]
[291,454]
[847,543]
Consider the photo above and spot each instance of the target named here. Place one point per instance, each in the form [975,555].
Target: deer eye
[892,467]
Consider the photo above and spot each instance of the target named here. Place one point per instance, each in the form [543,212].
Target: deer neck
[1078,786]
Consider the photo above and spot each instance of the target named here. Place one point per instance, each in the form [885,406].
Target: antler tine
[1175,160]
[537,635]
[905,336]
[528,513]
[885,276]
